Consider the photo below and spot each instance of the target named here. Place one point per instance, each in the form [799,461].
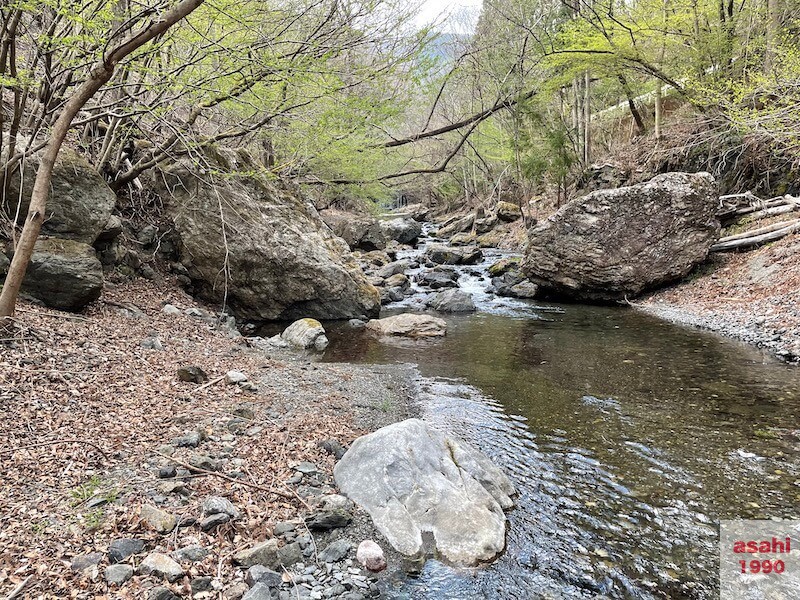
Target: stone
[506,211]
[4,263]
[190,554]
[462,239]
[118,574]
[438,279]
[151,343]
[236,591]
[371,557]
[456,225]
[306,468]
[203,462]
[111,230]
[260,591]
[335,551]
[214,521]
[307,334]
[452,301]
[63,274]
[86,561]
[333,446]
[167,471]
[147,235]
[398,281]
[201,584]
[214,505]
[265,554]
[161,565]
[190,440]
[80,202]
[336,502]
[413,479]
[394,268]
[235,377]
[120,549]
[161,593]
[359,231]
[357,323]
[283,262]
[615,244]
[290,554]
[192,374]
[403,230]
[325,520]
[157,519]
[409,325]
[447,255]
[260,574]
[504,265]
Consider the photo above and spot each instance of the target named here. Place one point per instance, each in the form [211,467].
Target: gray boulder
[447,255]
[412,479]
[452,301]
[283,262]
[80,202]
[456,225]
[408,325]
[63,274]
[616,243]
[403,230]
[359,231]
[307,334]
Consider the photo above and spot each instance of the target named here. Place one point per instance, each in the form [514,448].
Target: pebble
[171,310]
[86,561]
[167,471]
[161,593]
[265,554]
[157,519]
[328,519]
[260,573]
[161,565]
[334,447]
[214,505]
[236,591]
[370,555]
[203,462]
[190,554]
[260,591]
[214,521]
[284,527]
[120,549]
[118,574]
[192,374]
[201,584]
[190,440]
[234,377]
[335,551]
[151,343]
[306,468]
[290,554]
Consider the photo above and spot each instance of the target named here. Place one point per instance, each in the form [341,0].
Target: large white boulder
[307,334]
[412,479]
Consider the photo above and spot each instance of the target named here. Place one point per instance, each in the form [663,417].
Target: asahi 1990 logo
[759,560]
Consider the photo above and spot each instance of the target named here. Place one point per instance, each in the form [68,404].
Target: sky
[436,10]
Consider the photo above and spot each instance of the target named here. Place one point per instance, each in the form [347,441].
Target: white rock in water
[409,325]
[412,479]
[306,333]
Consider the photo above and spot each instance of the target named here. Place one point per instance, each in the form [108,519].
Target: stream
[628,438]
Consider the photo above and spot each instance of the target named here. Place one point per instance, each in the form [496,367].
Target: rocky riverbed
[151,452]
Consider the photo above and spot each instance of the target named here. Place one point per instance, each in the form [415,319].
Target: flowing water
[627,437]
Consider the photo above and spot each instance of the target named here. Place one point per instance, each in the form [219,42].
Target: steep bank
[94,413]
[752,296]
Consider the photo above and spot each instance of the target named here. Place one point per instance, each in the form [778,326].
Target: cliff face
[263,248]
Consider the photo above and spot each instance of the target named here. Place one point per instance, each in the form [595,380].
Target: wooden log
[755,240]
[759,231]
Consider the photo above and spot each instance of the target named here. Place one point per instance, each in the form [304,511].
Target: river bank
[104,442]
[752,297]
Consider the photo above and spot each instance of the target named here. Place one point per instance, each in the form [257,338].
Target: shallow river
[627,437]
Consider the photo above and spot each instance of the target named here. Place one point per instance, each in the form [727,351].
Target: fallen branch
[208,384]
[53,442]
[723,246]
[18,590]
[282,494]
[759,231]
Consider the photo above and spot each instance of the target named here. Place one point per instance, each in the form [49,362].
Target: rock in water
[359,231]
[306,333]
[403,230]
[409,325]
[64,274]
[447,255]
[412,479]
[283,262]
[452,301]
[616,243]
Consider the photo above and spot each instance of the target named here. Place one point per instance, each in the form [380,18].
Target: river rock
[264,554]
[359,231]
[506,211]
[394,268]
[409,325]
[371,557]
[446,255]
[413,479]
[307,334]
[462,239]
[335,551]
[398,281]
[403,230]
[80,202]
[120,549]
[118,574]
[215,505]
[64,274]
[157,519]
[456,225]
[613,244]
[161,565]
[452,301]
[437,279]
[282,262]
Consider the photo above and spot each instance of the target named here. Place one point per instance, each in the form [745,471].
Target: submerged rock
[307,334]
[409,325]
[413,479]
[616,243]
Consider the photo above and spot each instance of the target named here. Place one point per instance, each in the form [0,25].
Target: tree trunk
[587,120]
[98,76]
[773,27]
